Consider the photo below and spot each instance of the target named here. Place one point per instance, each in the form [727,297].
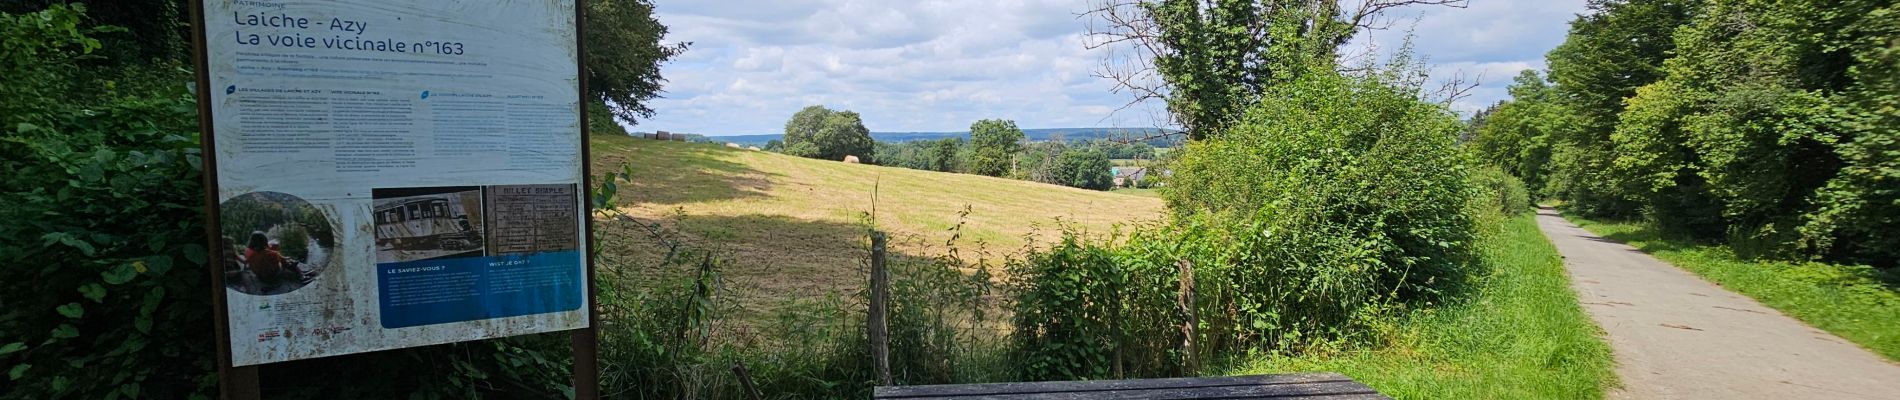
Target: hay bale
[733,145]
[851,159]
[753,148]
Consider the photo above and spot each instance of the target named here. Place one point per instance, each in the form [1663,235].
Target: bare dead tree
[1131,40]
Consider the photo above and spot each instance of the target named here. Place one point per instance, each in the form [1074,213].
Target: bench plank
[901,392]
[1330,386]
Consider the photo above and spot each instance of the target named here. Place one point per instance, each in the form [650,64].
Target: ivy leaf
[68,240]
[195,253]
[122,273]
[152,299]
[65,331]
[11,348]
[72,310]
[93,292]
[17,371]
[158,264]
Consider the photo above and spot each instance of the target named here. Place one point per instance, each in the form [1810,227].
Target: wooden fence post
[1185,300]
[745,381]
[880,308]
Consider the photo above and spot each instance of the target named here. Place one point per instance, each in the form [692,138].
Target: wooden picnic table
[1327,385]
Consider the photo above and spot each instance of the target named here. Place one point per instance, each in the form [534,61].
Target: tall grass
[671,330]
[1521,335]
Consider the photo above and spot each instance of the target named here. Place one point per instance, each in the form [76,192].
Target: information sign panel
[394,173]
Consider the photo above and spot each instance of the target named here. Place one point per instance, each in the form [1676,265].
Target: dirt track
[1677,336]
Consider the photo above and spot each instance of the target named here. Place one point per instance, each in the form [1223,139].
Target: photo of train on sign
[426,223]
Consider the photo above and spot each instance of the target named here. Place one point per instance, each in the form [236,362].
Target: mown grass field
[795,227]
[1853,302]
[1521,336]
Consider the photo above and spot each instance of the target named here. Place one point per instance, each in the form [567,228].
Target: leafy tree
[1209,60]
[1087,169]
[624,53]
[1749,109]
[1859,207]
[1515,135]
[994,143]
[774,145]
[942,155]
[1619,46]
[819,132]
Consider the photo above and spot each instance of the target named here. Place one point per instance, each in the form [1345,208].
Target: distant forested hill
[1033,134]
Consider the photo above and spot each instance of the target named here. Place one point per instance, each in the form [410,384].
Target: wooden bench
[1329,386]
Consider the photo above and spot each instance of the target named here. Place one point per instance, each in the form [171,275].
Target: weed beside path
[1854,302]
[1521,336]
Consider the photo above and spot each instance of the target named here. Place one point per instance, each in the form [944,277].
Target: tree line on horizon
[996,148]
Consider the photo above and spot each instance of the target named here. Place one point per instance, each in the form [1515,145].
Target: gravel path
[1677,336]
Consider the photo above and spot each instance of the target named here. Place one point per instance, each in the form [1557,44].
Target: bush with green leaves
[1332,201]
[103,277]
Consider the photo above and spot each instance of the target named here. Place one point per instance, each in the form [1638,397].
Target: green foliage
[993,145]
[942,155]
[1768,124]
[1350,168]
[1516,134]
[1856,212]
[1335,200]
[1746,128]
[1087,169]
[1619,46]
[1217,57]
[104,263]
[1502,193]
[822,133]
[600,120]
[624,54]
[1522,335]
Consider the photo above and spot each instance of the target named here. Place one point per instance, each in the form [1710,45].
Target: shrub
[1333,200]
[1501,193]
[102,276]
[1356,171]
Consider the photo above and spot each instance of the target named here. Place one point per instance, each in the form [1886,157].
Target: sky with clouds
[939,65]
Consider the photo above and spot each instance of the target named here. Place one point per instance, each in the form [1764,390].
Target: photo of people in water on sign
[274,243]
[428,223]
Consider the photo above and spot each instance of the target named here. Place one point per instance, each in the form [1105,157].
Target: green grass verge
[1853,302]
[1521,336]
